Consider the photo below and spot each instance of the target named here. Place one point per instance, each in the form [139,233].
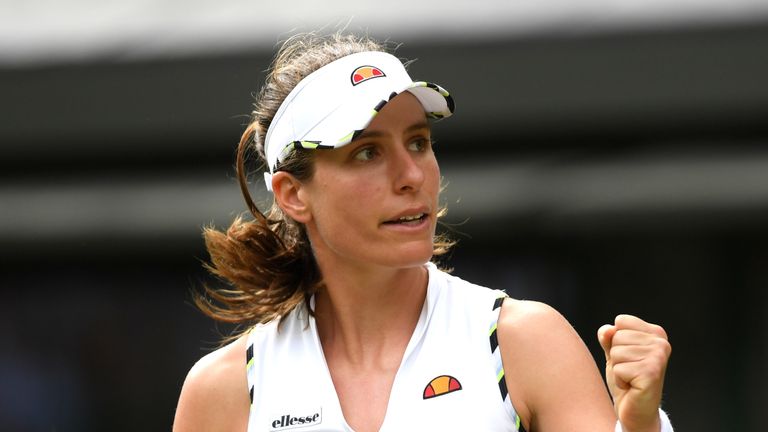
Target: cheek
[344,201]
[357,187]
[433,176]
[360,200]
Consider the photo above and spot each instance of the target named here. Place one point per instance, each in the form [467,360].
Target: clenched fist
[636,356]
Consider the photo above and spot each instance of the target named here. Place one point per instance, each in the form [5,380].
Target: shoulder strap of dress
[250,366]
[496,353]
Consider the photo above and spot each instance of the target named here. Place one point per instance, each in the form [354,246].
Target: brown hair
[267,261]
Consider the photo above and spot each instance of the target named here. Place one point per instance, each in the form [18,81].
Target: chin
[412,256]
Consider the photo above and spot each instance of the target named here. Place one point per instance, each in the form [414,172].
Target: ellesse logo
[293,421]
[365,73]
[441,385]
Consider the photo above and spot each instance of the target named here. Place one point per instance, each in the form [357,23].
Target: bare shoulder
[535,328]
[537,333]
[215,393]
[521,312]
[522,320]
[551,376]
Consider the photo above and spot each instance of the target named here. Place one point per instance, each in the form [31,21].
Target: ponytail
[267,261]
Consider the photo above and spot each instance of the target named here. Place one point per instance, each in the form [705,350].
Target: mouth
[408,220]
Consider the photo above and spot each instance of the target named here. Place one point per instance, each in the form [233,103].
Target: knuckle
[659,330]
[664,347]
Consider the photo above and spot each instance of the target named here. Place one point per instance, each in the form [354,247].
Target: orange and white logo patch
[441,385]
[365,73]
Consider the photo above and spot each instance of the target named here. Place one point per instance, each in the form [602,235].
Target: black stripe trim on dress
[494,341]
[497,304]
[503,387]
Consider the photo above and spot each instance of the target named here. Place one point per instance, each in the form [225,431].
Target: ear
[290,197]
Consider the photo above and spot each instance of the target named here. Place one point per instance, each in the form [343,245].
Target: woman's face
[373,202]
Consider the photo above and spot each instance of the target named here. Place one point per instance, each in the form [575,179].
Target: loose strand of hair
[242,175]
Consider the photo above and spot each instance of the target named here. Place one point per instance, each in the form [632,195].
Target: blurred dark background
[604,164]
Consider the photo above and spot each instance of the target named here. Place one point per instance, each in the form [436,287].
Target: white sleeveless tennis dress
[450,378]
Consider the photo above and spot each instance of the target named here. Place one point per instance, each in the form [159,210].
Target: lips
[413,219]
[410,217]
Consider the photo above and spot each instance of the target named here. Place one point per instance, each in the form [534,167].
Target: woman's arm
[215,394]
[554,383]
[553,380]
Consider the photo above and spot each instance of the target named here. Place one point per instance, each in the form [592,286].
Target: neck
[367,316]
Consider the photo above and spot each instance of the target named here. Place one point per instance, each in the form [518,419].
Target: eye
[366,154]
[419,144]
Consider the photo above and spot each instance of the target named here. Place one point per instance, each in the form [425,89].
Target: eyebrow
[374,134]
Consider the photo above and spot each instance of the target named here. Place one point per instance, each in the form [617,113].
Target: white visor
[332,105]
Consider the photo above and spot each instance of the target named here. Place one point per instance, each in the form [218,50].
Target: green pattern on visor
[346,138]
[309,145]
[306,145]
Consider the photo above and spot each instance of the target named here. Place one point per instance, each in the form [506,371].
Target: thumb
[605,337]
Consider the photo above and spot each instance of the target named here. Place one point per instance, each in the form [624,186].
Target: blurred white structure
[44,31]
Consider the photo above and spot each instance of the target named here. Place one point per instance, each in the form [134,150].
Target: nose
[409,172]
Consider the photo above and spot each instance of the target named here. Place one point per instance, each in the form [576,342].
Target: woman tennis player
[350,327]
